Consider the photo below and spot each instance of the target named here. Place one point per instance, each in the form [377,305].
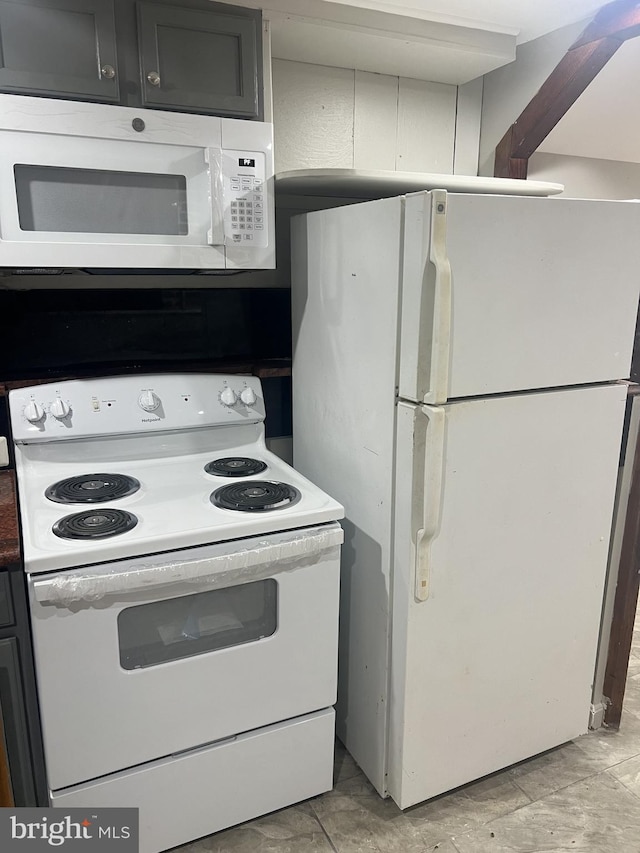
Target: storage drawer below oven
[203,791]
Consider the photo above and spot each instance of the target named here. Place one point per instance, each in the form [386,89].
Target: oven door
[105,187]
[138,660]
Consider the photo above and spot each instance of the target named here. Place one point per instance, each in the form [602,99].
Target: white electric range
[184,601]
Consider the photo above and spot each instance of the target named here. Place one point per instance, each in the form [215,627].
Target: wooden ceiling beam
[611,27]
[577,68]
[620,20]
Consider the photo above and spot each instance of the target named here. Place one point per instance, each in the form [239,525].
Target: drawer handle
[108,72]
[154,78]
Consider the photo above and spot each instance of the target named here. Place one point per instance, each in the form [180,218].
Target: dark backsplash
[61,333]
[52,332]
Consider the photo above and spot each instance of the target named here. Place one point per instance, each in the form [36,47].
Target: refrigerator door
[497,580]
[504,294]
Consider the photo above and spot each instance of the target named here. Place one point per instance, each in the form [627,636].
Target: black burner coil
[255,496]
[95,524]
[235,466]
[92,488]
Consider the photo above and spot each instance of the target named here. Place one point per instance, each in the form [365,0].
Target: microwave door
[91,202]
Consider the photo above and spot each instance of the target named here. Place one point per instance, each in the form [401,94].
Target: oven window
[162,631]
[99,201]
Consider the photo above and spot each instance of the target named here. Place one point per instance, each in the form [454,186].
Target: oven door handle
[242,565]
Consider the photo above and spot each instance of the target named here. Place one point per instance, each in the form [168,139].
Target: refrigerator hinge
[597,712]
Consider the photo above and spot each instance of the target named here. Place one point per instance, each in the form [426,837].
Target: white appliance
[100,186]
[454,386]
[184,590]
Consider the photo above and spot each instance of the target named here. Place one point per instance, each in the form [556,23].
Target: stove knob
[59,409]
[33,412]
[248,396]
[228,397]
[148,401]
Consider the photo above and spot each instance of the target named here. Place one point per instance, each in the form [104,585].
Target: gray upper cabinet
[60,48]
[198,60]
[184,55]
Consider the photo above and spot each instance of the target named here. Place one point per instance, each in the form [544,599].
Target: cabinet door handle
[154,78]
[108,72]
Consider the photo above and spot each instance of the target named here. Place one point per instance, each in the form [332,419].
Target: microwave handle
[215,234]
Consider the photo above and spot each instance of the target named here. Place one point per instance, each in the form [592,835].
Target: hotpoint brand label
[80,830]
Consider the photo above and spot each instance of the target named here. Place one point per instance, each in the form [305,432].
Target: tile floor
[583,796]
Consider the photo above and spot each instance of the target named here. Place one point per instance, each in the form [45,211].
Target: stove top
[143,489]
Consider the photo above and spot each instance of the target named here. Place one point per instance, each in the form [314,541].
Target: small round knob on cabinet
[154,78]
[248,396]
[33,412]
[108,72]
[148,401]
[228,397]
[59,409]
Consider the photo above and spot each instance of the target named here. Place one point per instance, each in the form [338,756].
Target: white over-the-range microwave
[106,187]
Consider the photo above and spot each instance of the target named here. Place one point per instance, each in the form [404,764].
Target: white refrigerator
[456,386]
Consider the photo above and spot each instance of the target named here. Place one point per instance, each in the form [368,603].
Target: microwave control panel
[245,198]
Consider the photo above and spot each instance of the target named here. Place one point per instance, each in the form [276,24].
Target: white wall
[508,90]
[341,118]
[585,177]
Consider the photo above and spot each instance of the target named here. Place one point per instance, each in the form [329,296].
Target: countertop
[9,538]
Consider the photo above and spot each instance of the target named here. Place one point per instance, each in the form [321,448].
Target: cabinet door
[198,60]
[59,48]
[14,726]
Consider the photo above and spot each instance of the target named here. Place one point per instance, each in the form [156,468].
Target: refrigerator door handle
[438,261]
[427,482]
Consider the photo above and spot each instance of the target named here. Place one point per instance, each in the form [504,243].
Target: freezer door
[503,294]
[492,660]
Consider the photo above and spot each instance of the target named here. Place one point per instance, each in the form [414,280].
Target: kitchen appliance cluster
[183,586]
[456,386]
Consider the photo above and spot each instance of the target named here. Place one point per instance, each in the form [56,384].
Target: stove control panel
[133,404]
